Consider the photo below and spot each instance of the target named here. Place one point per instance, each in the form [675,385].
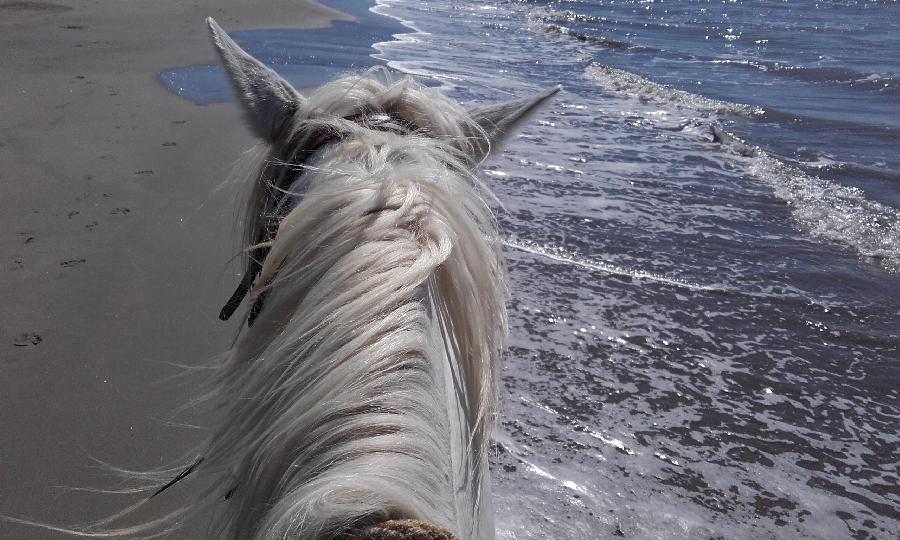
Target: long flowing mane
[365,388]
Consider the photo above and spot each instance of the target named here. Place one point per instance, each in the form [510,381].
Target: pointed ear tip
[214,27]
[545,96]
[219,36]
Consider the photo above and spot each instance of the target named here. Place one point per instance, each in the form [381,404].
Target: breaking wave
[625,84]
[884,84]
[560,255]
[834,212]
[826,210]
[601,41]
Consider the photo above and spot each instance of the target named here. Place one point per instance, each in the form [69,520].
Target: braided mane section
[365,390]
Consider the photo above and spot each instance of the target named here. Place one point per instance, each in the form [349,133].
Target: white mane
[366,388]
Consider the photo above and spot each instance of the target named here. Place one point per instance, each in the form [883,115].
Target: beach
[702,237]
[118,211]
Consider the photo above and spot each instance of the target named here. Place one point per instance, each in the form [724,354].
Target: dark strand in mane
[379,121]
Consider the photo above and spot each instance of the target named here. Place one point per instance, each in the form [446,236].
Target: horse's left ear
[268,100]
[500,121]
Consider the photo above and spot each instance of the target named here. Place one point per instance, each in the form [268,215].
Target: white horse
[358,401]
[361,394]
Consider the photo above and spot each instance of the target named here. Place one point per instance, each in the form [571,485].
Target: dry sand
[116,228]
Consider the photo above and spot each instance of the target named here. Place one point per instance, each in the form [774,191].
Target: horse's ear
[500,121]
[268,100]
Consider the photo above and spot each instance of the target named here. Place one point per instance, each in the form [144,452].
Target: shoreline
[304,57]
[118,202]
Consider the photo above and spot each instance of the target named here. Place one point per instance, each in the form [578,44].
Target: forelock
[362,98]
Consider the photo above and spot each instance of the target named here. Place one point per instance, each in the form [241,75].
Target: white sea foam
[625,84]
[560,255]
[834,212]
[826,210]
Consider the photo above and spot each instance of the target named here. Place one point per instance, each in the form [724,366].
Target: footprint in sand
[121,211]
[72,263]
[26,339]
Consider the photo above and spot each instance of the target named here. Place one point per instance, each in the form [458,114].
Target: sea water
[704,246]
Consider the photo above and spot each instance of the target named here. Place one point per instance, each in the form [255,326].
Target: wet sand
[116,229]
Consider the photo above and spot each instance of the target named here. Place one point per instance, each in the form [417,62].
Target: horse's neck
[410,451]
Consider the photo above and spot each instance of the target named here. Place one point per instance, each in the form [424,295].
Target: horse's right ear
[498,122]
[268,100]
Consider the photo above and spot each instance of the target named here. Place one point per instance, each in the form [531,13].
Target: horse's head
[367,115]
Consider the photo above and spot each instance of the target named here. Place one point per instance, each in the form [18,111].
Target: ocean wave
[826,210]
[560,255]
[599,41]
[569,16]
[835,212]
[828,165]
[884,84]
[780,293]
[629,85]
[818,123]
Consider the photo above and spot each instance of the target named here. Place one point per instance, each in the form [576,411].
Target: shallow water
[304,57]
[704,247]
[702,232]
